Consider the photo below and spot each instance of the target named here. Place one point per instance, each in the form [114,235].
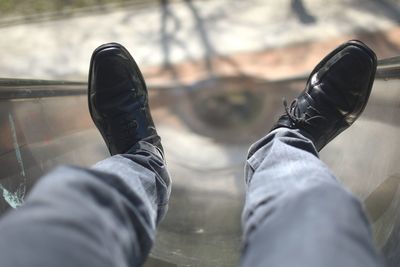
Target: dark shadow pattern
[169,39]
[301,12]
[392,9]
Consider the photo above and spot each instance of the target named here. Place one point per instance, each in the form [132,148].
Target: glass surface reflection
[206,130]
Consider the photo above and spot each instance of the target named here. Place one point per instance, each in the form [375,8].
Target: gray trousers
[296,213]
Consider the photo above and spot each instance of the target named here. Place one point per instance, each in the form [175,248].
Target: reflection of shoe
[336,93]
[118,101]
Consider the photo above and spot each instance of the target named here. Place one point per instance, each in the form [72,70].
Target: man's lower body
[296,213]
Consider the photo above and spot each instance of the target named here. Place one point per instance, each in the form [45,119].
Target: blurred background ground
[186,40]
[217,72]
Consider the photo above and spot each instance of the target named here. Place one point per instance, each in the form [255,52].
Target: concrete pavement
[184,32]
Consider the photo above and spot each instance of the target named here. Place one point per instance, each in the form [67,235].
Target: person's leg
[296,212]
[106,215]
[103,216]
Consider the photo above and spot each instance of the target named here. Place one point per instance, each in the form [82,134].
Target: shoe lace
[304,120]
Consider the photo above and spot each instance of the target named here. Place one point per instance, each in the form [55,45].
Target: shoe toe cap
[110,66]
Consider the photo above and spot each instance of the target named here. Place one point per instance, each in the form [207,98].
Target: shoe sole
[343,124]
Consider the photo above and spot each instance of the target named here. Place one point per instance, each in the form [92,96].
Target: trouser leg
[103,216]
[296,212]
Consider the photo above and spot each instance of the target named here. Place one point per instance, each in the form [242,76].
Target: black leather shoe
[118,101]
[336,93]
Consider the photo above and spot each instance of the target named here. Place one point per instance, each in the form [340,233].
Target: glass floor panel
[206,131]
